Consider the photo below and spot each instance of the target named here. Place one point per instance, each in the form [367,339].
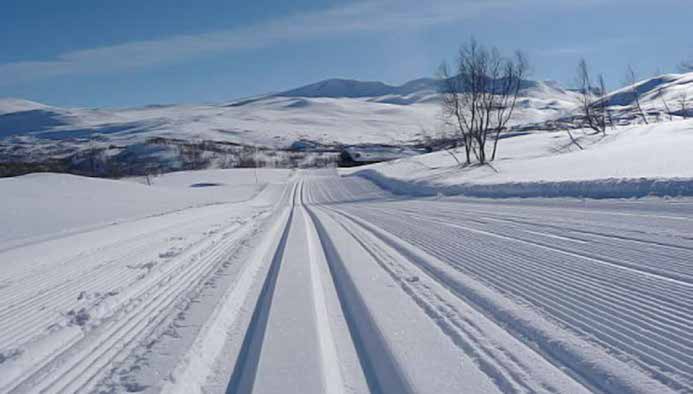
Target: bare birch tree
[451,91]
[631,80]
[479,99]
[660,93]
[593,110]
[683,102]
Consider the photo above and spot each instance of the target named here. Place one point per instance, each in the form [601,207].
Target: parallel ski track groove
[243,376]
[504,281]
[57,292]
[673,267]
[144,316]
[381,371]
[467,338]
[547,355]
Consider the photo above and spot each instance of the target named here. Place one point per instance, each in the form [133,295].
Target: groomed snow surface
[307,282]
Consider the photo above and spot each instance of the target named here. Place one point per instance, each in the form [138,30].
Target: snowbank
[634,161]
[600,188]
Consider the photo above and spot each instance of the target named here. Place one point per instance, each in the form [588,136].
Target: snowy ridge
[654,92]
[10,105]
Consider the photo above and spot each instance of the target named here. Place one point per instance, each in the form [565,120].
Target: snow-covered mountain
[10,105]
[415,91]
[331,112]
[340,88]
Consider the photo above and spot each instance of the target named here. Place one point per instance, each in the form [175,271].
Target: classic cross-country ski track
[337,286]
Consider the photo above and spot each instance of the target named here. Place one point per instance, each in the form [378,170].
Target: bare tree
[573,140]
[660,93]
[593,110]
[451,90]
[631,80]
[603,106]
[513,75]
[480,98]
[683,102]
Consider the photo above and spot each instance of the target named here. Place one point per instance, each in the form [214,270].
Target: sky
[131,52]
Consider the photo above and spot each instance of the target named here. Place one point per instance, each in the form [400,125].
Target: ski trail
[379,367]
[333,381]
[296,341]
[503,359]
[590,366]
[245,371]
[340,288]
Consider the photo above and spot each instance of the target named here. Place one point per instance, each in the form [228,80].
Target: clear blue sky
[134,52]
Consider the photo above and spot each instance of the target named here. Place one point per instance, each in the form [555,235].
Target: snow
[310,282]
[306,281]
[39,205]
[631,161]
[99,266]
[333,111]
[10,105]
[654,92]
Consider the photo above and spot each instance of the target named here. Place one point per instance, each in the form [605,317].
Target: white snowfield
[326,284]
[43,205]
[630,161]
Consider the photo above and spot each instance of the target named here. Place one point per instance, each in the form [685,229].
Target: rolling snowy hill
[630,161]
[659,97]
[341,111]
[329,113]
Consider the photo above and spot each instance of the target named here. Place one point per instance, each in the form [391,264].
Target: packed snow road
[337,286]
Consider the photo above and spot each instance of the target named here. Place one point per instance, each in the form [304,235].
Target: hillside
[659,97]
[630,161]
[37,137]
[332,111]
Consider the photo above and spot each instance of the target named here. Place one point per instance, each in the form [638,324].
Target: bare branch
[481,96]
[660,93]
[631,80]
[683,102]
[593,110]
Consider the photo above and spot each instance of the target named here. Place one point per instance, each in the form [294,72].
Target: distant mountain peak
[422,87]
[10,104]
[349,88]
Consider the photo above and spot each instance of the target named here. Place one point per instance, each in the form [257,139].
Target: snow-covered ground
[315,283]
[42,205]
[95,271]
[630,161]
